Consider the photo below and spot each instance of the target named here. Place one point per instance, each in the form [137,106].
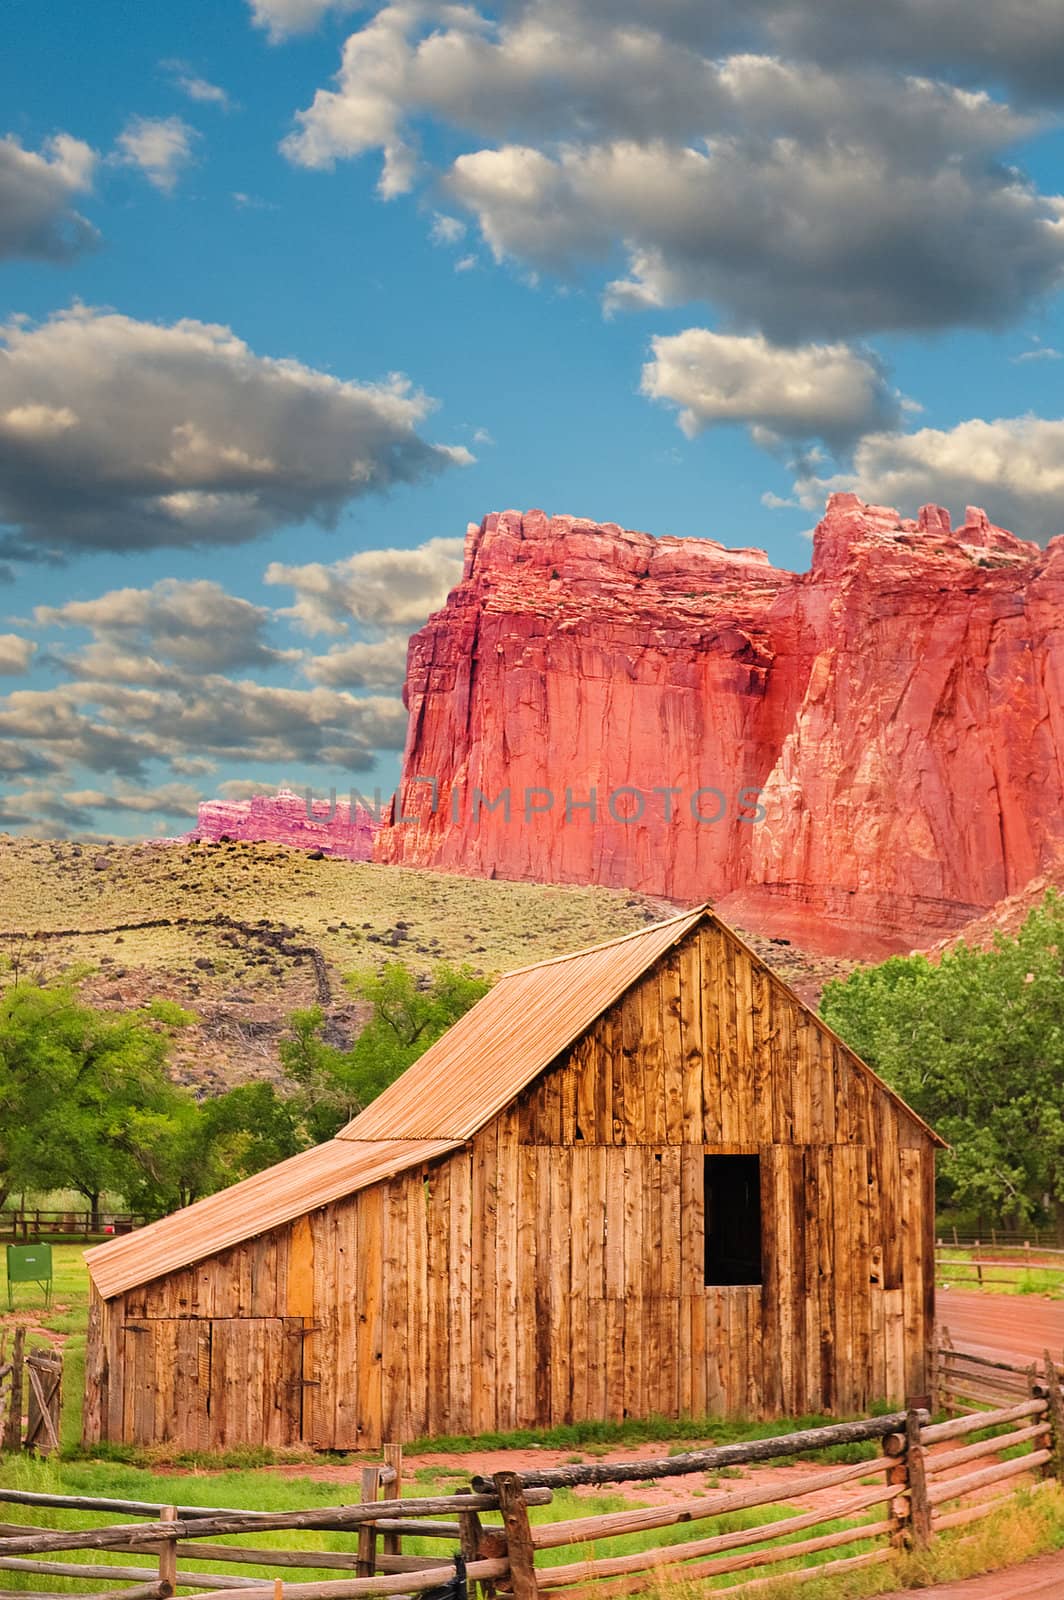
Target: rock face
[899,710]
[282,819]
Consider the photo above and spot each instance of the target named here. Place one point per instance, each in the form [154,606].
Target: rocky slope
[899,708]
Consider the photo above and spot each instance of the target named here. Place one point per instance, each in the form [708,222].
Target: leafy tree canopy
[975,1044]
[334,1084]
[86,1102]
[74,1084]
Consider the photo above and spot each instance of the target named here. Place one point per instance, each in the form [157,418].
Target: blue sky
[839,263]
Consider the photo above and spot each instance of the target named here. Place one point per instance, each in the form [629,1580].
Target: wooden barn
[643,1178]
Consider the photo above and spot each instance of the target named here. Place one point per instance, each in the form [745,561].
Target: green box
[29,1263]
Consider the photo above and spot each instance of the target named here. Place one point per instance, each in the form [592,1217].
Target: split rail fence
[921,1479]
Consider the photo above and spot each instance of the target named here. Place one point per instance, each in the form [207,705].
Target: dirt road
[1003,1327]
[1042,1579]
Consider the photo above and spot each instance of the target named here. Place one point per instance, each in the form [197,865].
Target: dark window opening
[733,1219]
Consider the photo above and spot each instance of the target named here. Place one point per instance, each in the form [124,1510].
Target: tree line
[87,1103]
[975,1043]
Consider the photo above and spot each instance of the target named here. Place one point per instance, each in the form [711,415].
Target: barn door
[256,1382]
[166,1364]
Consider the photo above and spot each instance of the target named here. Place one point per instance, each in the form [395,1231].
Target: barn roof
[525,1022]
[505,1041]
[499,1047]
[256,1204]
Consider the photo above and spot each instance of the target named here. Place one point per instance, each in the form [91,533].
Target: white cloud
[446,230]
[241,788]
[191,622]
[795,239]
[369,664]
[197,88]
[38,422]
[1012,465]
[826,391]
[47,811]
[117,434]
[161,147]
[16,653]
[37,190]
[194,721]
[382,588]
[1043,352]
[803,197]
[281,18]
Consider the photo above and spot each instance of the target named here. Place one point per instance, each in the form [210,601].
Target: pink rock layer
[283,819]
[899,707]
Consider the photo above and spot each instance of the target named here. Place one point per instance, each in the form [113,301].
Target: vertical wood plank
[692,1042]
[507,1311]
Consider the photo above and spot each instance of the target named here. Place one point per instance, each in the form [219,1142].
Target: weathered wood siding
[553,1269]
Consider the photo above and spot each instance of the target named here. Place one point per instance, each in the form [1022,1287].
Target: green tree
[975,1044]
[185,1150]
[75,1082]
[333,1085]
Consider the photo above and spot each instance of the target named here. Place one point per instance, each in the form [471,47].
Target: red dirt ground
[1002,1327]
[1042,1579]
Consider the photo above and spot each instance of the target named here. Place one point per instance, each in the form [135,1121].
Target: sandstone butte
[283,819]
[900,708]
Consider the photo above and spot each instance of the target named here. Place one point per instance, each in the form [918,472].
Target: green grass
[268,1491]
[1011,1277]
[1031,1524]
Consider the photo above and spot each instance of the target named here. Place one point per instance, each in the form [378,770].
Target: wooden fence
[31,1395]
[993,1235]
[965,1382]
[34,1224]
[1004,1266]
[922,1478]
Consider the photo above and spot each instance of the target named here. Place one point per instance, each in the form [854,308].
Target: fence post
[12,1439]
[510,1490]
[945,1395]
[478,1543]
[392,1543]
[895,1447]
[919,1505]
[168,1555]
[1056,1419]
[367,1531]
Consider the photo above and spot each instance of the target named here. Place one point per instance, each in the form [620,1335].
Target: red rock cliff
[900,708]
[337,827]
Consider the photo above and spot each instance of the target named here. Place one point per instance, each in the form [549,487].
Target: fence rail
[44,1224]
[1015,1237]
[921,1479]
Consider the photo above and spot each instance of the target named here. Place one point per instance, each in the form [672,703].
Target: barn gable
[533,1015]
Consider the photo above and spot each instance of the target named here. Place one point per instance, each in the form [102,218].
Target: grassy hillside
[256,930]
[242,934]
